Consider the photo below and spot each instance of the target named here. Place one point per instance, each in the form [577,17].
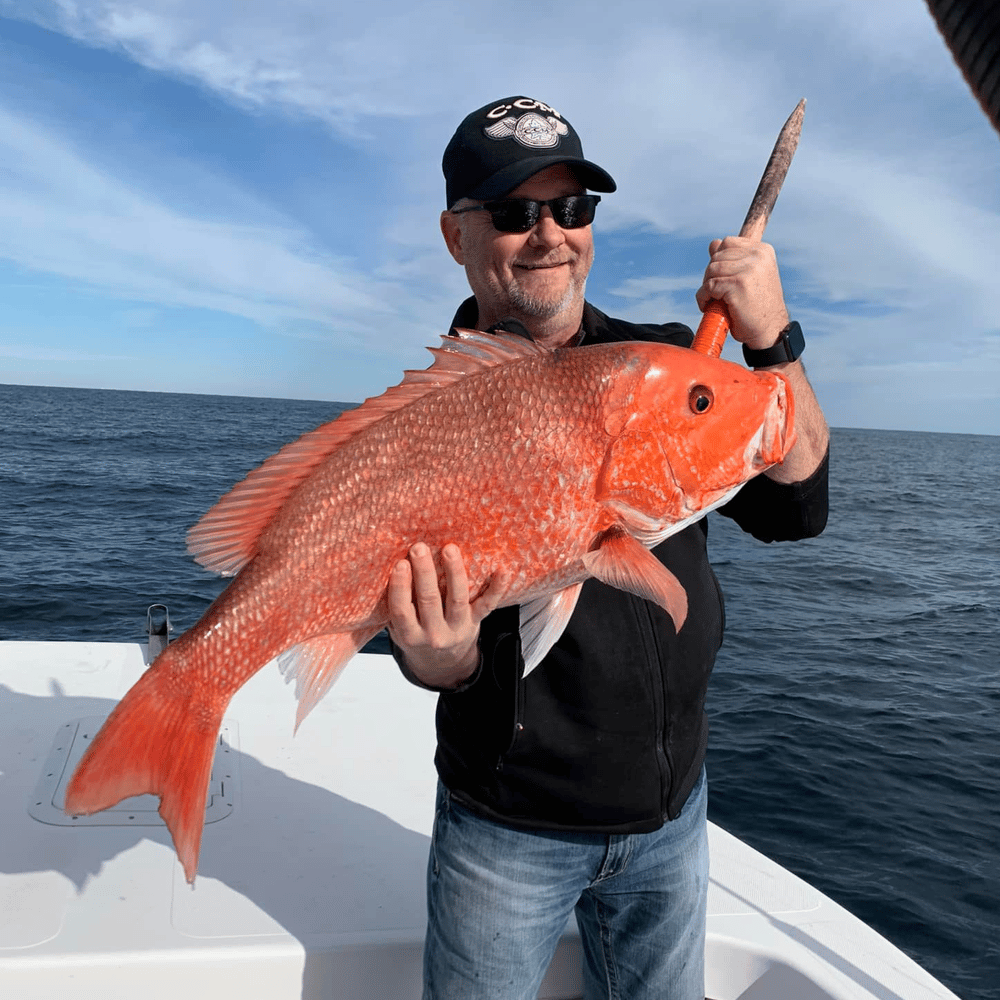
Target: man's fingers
[400,587]
[413,597]
[402,615]
[489,600]
[415,601]
[426,592]
[456,584]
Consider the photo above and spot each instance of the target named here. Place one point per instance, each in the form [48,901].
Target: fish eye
[701,398]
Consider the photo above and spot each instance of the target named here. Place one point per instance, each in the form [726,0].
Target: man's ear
[451,230]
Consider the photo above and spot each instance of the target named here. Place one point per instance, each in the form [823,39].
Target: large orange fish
[547,467]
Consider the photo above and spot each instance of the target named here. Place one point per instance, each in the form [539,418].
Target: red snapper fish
[549,467]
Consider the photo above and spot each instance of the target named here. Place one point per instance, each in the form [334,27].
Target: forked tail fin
[155,741]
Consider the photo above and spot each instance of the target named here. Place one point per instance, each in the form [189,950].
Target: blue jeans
[499,898]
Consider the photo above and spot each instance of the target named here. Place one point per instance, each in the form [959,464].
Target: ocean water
[855,705]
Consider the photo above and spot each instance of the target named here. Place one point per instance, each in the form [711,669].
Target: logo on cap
[531,130]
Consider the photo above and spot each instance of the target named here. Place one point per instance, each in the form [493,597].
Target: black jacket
[608,733]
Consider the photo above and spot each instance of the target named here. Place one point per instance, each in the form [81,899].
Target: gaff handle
[712,330]
[714,323]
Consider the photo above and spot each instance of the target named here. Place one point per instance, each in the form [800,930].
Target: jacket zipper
[660,684]
[518,725]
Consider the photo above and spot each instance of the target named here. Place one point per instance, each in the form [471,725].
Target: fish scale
[545,467]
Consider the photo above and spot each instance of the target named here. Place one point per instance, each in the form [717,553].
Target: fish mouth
[777,433]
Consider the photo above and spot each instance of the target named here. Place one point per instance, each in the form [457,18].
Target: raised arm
[743,274]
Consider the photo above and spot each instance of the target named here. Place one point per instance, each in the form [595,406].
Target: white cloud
[643,288]
[338,62]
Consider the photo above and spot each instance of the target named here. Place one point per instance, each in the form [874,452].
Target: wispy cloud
[62,215]
[340,63]
[34,352]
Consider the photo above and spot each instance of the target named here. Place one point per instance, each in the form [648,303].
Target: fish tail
[156,741]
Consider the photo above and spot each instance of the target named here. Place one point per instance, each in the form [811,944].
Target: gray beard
[527,305]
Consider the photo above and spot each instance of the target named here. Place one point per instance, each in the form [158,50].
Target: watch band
[790,346]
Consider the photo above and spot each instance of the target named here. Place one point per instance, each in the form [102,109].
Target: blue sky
[242,197]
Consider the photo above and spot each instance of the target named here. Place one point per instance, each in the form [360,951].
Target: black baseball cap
[505,142]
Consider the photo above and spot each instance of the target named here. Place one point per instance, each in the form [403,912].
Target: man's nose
[546,231]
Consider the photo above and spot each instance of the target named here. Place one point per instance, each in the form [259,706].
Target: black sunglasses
[519,215]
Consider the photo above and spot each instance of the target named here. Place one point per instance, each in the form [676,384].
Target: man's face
[538,275]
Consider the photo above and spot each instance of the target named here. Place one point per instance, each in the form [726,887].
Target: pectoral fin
[620,561]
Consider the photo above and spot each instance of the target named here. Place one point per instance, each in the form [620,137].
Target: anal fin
[316,663]
[543,621]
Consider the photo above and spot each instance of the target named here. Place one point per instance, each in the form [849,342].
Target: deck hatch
[73,738]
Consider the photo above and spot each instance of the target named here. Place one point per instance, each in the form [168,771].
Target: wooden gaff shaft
[714,325]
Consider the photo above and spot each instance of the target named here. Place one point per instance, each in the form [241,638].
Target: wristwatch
[790,345]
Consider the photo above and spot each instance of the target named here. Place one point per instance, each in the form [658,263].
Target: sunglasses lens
[518,215]
[515,215]
[574,211]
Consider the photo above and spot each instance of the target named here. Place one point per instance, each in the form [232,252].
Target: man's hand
[743,274]
[438,634]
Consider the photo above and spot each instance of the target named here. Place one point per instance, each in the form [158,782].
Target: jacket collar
[593,324]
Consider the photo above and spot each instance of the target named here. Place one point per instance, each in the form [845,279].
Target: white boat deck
[311,876]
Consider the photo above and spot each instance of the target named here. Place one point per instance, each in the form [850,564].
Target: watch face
[793,340]
[791,343]
[783,348]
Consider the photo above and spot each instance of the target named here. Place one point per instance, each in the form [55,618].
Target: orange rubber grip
[712,330]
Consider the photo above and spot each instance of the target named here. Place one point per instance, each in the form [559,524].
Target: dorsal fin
[225,539]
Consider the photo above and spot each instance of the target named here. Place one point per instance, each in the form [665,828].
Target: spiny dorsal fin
[225,539]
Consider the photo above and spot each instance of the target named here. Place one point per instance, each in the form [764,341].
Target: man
[582,786]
